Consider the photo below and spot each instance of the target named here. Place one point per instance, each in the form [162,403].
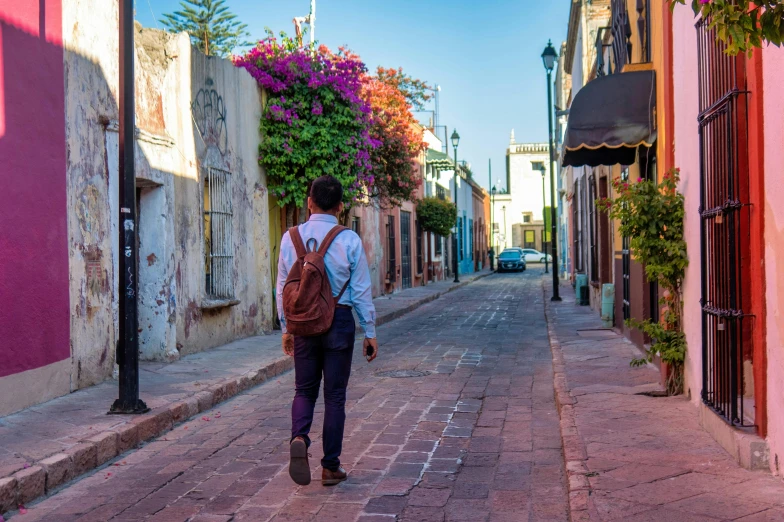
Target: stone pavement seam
[573,448]
[44,475]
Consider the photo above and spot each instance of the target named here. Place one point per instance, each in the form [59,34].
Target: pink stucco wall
[34,315]
[686,144]
[773,125]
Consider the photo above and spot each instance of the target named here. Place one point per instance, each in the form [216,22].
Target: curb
[42,477]
[574,453]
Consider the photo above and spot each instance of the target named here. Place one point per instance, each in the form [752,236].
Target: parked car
[534,256]
[511,260]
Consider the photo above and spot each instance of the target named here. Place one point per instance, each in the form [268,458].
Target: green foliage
[437,215]
[652,216]
[315,121]
[742,24]
[212,27]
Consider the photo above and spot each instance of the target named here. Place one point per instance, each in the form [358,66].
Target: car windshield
[510,255]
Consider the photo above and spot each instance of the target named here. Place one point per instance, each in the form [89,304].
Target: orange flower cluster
[396,172]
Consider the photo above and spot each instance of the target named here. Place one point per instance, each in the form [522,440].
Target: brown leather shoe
[299,468]
[331,478]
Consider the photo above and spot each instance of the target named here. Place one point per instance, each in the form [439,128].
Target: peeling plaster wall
[369,231]
[228,140]
[91,76]
[169,152]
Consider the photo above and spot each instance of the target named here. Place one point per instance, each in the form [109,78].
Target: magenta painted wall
[686,108]
[34,316]
[773,126]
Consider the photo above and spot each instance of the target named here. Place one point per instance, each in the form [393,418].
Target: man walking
[326,353]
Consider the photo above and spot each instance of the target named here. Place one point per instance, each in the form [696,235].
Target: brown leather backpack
[308,305]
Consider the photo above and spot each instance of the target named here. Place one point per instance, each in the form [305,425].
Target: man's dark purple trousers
[329,354]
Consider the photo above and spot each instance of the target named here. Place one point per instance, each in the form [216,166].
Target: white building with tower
[518,204]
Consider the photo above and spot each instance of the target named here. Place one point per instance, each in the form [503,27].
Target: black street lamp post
[128,400]
[455,141]
[548,59]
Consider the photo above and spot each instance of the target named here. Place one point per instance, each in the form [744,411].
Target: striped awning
[439,160]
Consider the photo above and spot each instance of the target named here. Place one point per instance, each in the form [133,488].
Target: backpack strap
[296,240]
[331,235]
[337,299]
[325,244]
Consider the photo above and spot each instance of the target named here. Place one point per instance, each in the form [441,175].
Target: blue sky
[484,54]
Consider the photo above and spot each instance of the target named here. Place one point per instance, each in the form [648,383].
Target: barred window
[355,224]
[438,250]
[218,226]
[593,247]
[440,192]
[391,261]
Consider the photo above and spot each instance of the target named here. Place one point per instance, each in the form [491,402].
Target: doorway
[405,248]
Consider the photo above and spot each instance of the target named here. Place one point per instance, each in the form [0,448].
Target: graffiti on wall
[209,115]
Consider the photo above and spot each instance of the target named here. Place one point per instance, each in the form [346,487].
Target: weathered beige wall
[90,39]
[169,153]
[231,146]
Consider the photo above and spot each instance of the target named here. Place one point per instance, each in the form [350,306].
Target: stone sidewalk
[48,445]
[454,422]
[636,457]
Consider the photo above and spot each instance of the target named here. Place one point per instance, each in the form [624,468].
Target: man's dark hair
[326,192]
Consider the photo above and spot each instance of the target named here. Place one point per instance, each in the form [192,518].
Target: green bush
[437,216]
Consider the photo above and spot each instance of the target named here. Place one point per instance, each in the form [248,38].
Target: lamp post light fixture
[549,56]
[455,141]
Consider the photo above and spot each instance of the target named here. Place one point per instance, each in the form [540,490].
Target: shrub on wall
[315,119]
[651,215]
[437,215]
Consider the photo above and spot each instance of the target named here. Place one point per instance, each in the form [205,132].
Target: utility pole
[128,345]
[311,21]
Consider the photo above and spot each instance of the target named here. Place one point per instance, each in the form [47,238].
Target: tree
[437,215]
[212,27]
[651,215]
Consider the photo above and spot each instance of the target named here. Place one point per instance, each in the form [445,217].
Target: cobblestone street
[472,434]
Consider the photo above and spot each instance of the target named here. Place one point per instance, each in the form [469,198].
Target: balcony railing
[614,43]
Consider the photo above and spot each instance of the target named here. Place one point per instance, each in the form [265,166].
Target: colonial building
[660,93]
[518,211]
